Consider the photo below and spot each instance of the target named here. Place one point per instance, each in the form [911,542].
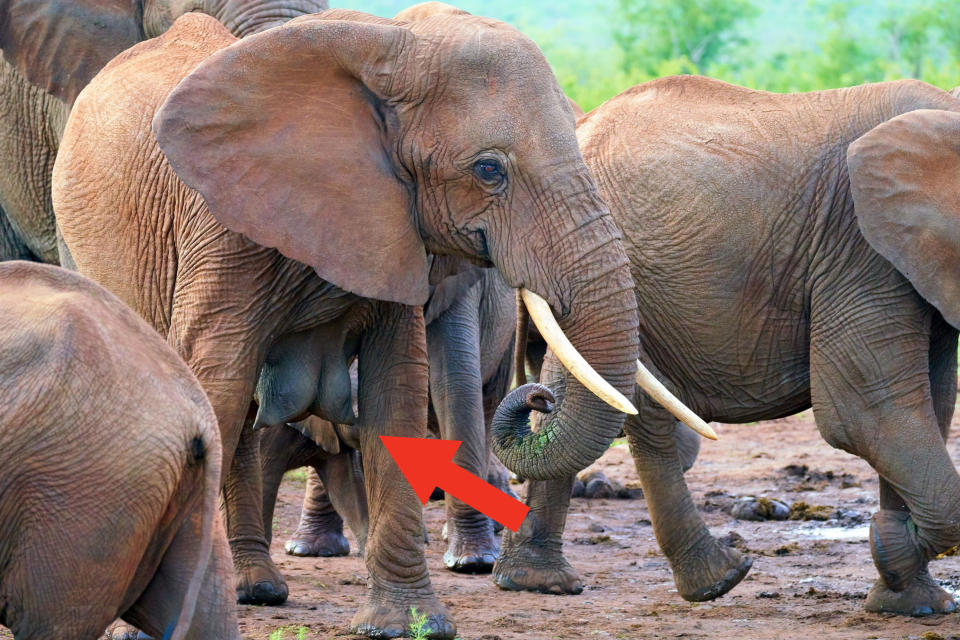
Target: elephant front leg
[532,558]
[258,579]
[393,402]
[881,391]
[703,569]
[456,393]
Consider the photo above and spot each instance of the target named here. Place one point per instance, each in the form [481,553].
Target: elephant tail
[204,449]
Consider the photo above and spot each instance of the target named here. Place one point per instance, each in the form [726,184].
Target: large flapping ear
[59,45]
[426,10]
[905,179]
[285,135]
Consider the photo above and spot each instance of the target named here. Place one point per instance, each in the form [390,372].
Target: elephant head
[358,145]
[59,45]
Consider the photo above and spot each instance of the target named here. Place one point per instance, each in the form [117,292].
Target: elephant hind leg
[157,608]
[872,388]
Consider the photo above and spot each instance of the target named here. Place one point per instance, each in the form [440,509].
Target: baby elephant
[111,471]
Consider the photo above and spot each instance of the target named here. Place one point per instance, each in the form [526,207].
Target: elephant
[335,486]
[794,250]
[51,50]
[470,321]
[90,389]
[269,205]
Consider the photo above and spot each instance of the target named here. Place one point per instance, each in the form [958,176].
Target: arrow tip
[421,460]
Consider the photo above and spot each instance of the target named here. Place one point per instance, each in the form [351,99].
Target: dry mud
[808,581]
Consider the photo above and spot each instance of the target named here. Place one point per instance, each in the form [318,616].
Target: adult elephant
[51,50]
[353,145]
[88,386]
[470,318]
[793,250]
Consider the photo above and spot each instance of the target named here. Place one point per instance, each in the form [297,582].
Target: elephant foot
[921,597]
[258,580]
[471,545]
[383,618]
[324,544]
[706,576]
[528,567]
[120,630]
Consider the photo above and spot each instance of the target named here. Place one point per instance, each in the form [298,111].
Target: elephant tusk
[568,355]
[671,403]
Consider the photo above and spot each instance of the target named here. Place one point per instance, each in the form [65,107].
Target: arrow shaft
[483,497]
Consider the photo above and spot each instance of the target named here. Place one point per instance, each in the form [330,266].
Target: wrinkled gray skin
[470,319]
[51,49]
[794,251]
[112,397]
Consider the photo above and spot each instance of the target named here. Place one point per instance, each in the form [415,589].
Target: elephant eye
[489,171]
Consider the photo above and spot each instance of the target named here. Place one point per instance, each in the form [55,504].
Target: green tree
[652,33]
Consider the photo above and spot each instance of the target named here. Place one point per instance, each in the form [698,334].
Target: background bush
[598,48]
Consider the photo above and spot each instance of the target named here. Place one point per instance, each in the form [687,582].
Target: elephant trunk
[598,314]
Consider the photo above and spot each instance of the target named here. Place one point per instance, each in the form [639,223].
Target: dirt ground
[809,578]
[808,581]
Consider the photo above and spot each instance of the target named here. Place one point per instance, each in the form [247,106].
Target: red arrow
[427,463]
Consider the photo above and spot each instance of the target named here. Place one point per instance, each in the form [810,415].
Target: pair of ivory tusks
[579,368]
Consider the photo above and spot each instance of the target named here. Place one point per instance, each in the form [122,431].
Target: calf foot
[258,580]
[120,630]
[709,571]
[528,566]
[382,617]
[471,547]
[920,597]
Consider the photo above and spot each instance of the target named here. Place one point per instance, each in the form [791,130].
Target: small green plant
[281,633]
[418,627]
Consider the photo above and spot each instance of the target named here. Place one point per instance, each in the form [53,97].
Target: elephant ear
[59,45]
[905,180]
[285,135]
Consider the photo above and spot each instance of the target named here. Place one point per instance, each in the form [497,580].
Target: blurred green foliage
[601,47]
[852,42]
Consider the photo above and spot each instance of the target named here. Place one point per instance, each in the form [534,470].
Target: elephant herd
[283,231]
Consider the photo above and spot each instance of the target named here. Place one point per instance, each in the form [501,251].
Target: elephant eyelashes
[489,171]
